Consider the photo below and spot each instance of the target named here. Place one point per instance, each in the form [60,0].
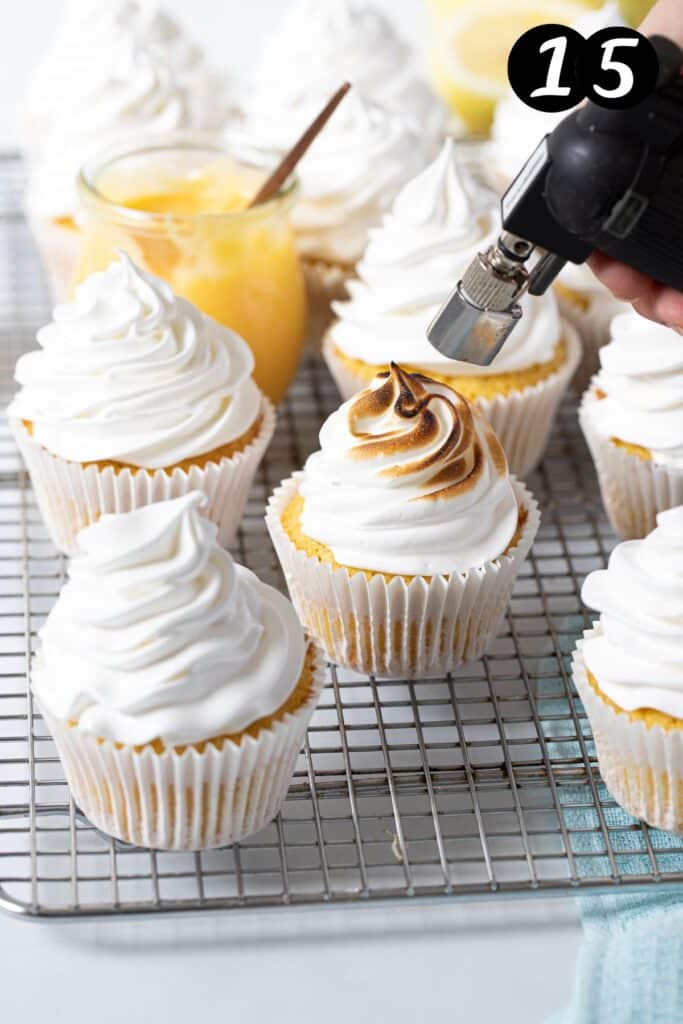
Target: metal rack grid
[481,783]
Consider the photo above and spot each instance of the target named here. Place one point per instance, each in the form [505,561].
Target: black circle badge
[618,67]
[543,68]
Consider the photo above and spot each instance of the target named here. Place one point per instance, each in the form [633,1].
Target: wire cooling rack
[481,783]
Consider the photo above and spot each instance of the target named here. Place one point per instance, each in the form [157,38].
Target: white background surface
[500,961]
[487,961]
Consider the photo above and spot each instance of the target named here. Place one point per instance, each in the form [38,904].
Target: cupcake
[438,223]
[402,537]
[117,72]
[632,418]
[628,670]
[127,93]
[347,180]
[177,686]
[135,396]
[517,130]
[590,307]
[86,37]
[329,43]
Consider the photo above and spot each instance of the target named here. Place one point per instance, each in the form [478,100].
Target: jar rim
[235,145]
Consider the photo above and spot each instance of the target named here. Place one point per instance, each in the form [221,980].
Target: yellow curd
[180,210]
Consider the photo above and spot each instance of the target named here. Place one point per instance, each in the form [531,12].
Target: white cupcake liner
[184,801]
[71,496]
[59,249]
[423,628]
[641,766]
[593,324]
[325,284]
[522,420]
[633,490]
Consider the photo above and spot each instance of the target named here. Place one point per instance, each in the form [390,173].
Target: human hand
[649,298]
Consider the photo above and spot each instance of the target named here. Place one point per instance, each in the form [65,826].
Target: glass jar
[178,208]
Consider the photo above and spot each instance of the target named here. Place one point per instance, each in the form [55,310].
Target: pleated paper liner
[591,313]
[59,247]
[424,628]
[325,284]
[633,490]
[71,496]
[189,801]
[522,420]
[642,767]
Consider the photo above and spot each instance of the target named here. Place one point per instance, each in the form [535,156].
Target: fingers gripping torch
[604,179]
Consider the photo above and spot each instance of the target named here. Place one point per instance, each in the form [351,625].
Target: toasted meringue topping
[403,416]
[410,479]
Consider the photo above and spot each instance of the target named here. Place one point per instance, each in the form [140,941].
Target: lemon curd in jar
[180,210]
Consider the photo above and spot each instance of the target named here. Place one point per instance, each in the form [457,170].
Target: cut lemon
[470,49]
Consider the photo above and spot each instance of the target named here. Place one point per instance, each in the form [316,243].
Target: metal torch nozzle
[482,310]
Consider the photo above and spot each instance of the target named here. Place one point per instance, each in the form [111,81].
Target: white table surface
[483,961]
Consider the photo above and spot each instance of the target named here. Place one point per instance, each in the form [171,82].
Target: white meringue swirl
[131,373]
[637,655]
[349,177]
[328,43]
[208,90]
[411,480]
[641,376]
[159,635]
[125,96]
[91,30]
[437,224]
[516,131]
[87,33]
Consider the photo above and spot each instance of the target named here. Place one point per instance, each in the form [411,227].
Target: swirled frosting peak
[641,377]
[637,655]
[159,635]
[129,372]
[328,43]
[443,203]
[349,177]
[437,224]
[126,95]
[117,73]
[92,31]
[410,479]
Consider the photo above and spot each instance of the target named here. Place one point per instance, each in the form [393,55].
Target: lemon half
[469,51]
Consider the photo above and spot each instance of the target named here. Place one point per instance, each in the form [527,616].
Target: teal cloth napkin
[629,967]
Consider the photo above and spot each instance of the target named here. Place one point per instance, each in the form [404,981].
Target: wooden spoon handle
[274,182]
